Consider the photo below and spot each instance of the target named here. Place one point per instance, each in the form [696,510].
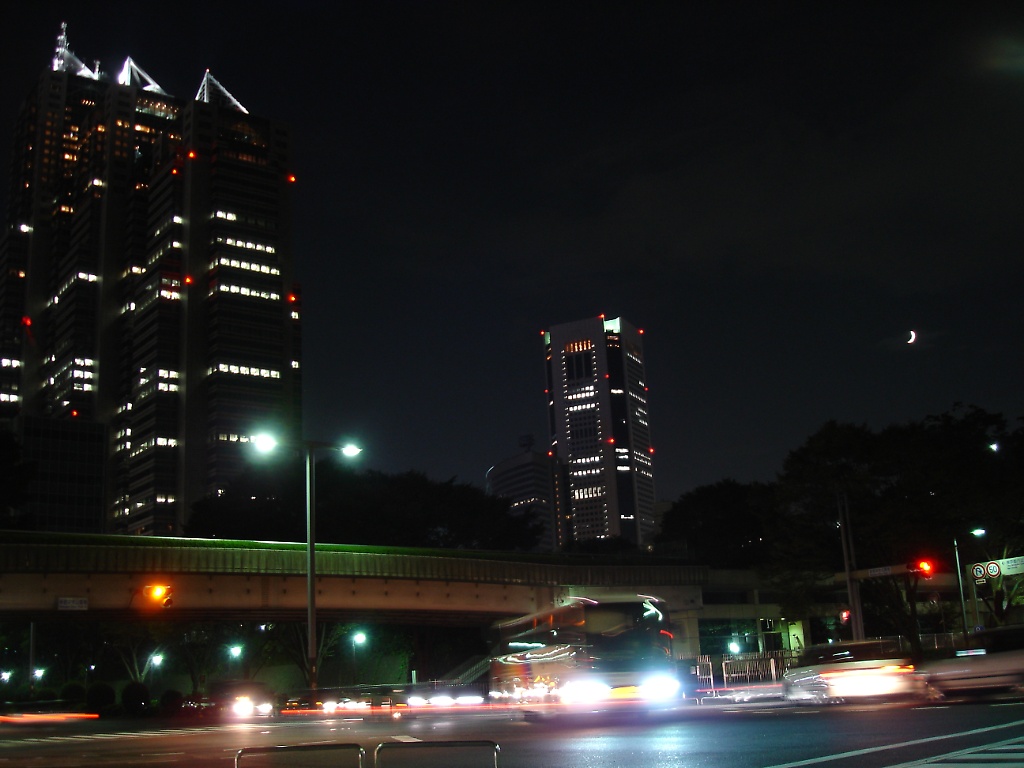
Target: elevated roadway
[49,576]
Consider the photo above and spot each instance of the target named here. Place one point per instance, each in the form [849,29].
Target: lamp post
[266,443]
[358,638]
[978,532]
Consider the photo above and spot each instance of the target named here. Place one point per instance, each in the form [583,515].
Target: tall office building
[597,409]
[532,482]
[149,319]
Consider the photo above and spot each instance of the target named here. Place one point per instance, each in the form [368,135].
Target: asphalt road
[724,736]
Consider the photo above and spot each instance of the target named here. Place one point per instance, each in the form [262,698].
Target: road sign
[993,569]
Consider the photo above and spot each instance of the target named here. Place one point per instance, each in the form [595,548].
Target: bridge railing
[109,554]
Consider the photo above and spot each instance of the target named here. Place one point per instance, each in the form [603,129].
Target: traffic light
[844,616]
[922,568]
[159,594]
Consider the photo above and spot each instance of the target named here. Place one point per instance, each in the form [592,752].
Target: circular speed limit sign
[992,570]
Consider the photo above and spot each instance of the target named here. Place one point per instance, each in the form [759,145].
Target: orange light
[74,414]
[925,566]
[291,178]
[292,297]
[191,154]
[188,279]
[26,321]
[641,331]
[651,450]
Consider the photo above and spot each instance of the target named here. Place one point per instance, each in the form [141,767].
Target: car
[865,669]
[993,661]
[241,699]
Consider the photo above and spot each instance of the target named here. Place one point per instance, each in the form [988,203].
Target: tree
[721,524]
[904,492]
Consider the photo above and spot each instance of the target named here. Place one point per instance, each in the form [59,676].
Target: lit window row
[8,397]
[245,370]
[162,498]
[579,346]
[86,276]
[243,290]
[166,225]
[227,216]
[583,407]
[295,364]
[246,244]
[582,394]
[252,266]
[590,492]
[9,362]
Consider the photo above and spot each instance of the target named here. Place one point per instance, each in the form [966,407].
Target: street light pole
[977,533]
[311,562]
[960,583]
[265,443]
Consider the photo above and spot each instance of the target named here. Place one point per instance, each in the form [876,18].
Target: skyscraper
[532,483]
[149,319]
[597,409]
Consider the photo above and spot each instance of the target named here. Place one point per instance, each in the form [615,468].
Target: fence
[456,754]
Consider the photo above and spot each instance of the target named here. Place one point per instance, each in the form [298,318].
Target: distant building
[597,407]
[149,319]
[533,484]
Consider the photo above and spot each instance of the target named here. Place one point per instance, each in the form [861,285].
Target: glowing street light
[266,443]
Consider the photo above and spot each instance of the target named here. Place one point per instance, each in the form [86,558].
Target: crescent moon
[913,337]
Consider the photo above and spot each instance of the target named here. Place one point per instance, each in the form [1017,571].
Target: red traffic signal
[844,616]
[923,568]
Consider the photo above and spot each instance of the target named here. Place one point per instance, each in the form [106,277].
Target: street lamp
[266,443]
[977,532]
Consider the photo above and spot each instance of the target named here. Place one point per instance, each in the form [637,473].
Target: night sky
[777,193]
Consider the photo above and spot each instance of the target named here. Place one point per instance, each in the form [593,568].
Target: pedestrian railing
[398,754]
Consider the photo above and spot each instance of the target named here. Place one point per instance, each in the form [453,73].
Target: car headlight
[243,706]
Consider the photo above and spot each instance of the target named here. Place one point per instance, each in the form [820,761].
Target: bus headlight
[584,692]
[659,688]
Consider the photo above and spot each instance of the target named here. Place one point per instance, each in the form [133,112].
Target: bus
[588,654]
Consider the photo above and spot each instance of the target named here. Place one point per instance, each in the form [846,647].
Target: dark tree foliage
[720,525]
[406,510]
[16,475]
[908,491]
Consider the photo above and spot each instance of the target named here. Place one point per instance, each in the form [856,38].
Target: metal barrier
[286,756]
[405,746]
[283,755]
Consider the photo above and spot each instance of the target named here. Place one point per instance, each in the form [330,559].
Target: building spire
[133,72]
[210,87]
[65,61]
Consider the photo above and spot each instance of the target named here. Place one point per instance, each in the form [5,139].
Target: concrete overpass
[45,575]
